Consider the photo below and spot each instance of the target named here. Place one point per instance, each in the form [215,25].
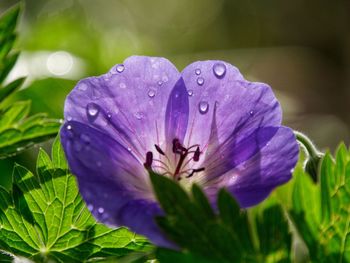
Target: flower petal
[111,180]
[253,180]
[128,103]
[139,216]
[222,102]
[176,118]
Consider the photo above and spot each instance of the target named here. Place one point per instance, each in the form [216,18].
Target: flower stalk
[314,156]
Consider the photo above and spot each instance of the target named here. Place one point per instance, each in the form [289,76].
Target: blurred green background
[301,48]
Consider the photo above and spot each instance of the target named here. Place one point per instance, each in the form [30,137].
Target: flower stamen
[181,163]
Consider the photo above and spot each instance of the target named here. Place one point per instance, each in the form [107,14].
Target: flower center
[182,157]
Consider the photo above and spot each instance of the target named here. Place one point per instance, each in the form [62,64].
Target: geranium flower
[205,125]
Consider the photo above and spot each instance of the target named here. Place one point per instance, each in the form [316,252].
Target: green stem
[308,145]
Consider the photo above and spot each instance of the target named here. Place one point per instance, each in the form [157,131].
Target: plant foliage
[17,130]
[43,218]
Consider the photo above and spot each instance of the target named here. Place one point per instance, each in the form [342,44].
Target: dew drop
[139,115]
[190,93]
[109,115]
[92,110]
[200,81]
[69,127]
[151,93]
[82,87]
[203,107]
[120,68]
[96,94]
[90,207]
[122,85]
[197,71]
[100,210]
[19,149]
[251,113]
[219,70]
[165,79]
[160,83]
[69,118]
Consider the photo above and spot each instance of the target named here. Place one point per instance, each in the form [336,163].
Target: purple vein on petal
[177,111]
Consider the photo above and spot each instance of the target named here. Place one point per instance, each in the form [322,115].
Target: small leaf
[8,21]
[10,88]
[6,65]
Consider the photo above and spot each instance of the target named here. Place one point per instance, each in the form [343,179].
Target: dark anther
[196,155]
[175,142]
[159,149]
[149,160]
[177,147]
[195,171]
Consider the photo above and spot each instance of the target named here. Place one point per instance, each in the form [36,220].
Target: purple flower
[205,125]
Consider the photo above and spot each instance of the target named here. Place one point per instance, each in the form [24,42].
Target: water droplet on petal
[200,81]
[96,94]
[151,93]
[129,149]
[139,115]
[122,85]
[197,71]
[90,207]
[165,79]
[82,87]
[69,118]
[100,210]
[251,113]
[92,110]
[69,127]
[190,93]
[203,107]
[160,83]
[219,70]
[120,68]
[109,115]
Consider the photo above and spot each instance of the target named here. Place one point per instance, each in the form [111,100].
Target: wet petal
[128,103]
[253,180]
[221,98]
[105,170]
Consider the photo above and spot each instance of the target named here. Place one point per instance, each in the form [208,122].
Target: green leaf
[8,21]
[321,214]
[10,88]
[43,218]
[226,236]
[18,132]
[5,258]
